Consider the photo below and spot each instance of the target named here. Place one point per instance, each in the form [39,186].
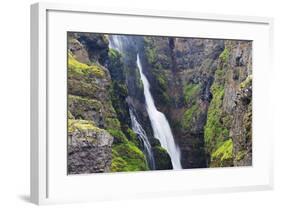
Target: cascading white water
[137,128]
[159,122]
[116,42]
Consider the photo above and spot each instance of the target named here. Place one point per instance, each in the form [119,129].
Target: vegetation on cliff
[217,127]
[223,156]
[226,142]
[76,68]
[97,103]
[157,70]
[203,86]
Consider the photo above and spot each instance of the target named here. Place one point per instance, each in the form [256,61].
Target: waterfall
[159,122]
[160,125]
[137,128]
[116,42]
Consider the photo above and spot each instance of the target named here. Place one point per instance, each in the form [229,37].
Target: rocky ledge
[90,148]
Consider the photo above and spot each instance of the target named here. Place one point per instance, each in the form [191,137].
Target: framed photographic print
[132,103]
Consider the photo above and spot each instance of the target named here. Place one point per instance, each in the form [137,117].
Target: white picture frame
[49,181]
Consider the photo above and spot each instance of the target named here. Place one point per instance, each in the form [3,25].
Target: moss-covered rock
[215,130]
[132,136]
[87,81]
[77,68]
[158,64]
[190,116]
[126,155]
[69,115]
[224,55]
[132,156]
[218,122]
[118,163]
[119,90]
[246,83]
[118,135]
[230,108]
[86,109]
[112,123]
[241,128]
[97,107]
[162,158]
[89,148]
[223,155]
[82,125]
[116,65]
[191,92]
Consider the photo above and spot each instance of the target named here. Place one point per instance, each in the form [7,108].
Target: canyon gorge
[138,103]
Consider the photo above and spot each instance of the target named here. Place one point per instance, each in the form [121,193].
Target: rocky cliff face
[99,136]
[181,73]
[197,83]
[228,128]
[203,86]
[129,81]
[89,148]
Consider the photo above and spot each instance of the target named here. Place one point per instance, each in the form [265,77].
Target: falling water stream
[159,122]
[137,128]
[161,128]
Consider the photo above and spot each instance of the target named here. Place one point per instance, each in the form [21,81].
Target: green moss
[82,86]
[112,123]
[161,81]
[113,53]
[150,51]
[191,92]
[215,131]
[189,115]
[81,106]
[77,68]
[224,55]
[118,164]
[86,129]
[247,82]
[118,89]
[162,158]
[118,135]
[240,155]
[81,125]
[116,65]
[69,115]
[118,94]
[223,155]
[158,65]
[127,157]
[160,86]
[132,136]
[85,101]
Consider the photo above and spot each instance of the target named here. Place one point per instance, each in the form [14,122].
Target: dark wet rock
[89,149]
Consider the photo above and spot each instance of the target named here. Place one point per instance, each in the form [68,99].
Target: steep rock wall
[100,140]
[181,73]
[228,127]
